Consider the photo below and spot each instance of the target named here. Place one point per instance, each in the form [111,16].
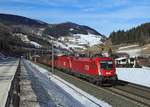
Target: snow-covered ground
[2,56]
[140,76]
[58,96]
[78,94]
[73,96]
[129,46]
[132,50]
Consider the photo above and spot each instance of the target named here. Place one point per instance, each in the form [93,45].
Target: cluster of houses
[124,60]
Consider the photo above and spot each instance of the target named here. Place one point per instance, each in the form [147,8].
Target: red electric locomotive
[98,70]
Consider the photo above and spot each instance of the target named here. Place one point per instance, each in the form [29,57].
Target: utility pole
[52,57]
[42,51]
[88,49]
[34,56]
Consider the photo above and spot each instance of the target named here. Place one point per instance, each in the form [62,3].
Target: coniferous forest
[139,34]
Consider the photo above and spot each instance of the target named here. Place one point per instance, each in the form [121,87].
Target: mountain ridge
[25,31]
[10,19]
[69,28]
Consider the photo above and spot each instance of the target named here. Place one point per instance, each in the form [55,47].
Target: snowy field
[140,76]
[132,50]
[129,46]
[71,95]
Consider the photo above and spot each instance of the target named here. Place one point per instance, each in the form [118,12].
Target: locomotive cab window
[106,64]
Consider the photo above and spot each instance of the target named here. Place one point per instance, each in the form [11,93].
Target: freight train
[98,70]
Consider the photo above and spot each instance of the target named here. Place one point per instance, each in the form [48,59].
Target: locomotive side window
[106,64]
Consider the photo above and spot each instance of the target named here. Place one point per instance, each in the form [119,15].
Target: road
[7,71]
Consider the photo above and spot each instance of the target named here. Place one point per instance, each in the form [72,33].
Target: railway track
[131,92]
[135,94]
[131,96]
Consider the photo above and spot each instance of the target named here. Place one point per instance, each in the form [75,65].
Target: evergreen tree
[140,34]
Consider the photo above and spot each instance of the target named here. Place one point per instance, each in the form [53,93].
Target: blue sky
[103,15]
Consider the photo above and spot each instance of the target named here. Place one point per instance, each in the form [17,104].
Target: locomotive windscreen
[106,64]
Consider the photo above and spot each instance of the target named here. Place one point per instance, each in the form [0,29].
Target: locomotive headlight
[108,73]
[99,70]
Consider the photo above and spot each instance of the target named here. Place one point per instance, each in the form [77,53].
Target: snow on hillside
[66,46]
[35,44]
[75,46]
[39,32]
[61,45]
[140,76]
[25,39]
[71,29]
[57,43]
[81,40]
[89,39]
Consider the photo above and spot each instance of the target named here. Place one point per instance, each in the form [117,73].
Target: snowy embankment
[140,76]
[132,50]
[2,57]
[127,47]
[79,95]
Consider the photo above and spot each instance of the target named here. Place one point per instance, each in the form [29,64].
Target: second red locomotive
[98,70]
